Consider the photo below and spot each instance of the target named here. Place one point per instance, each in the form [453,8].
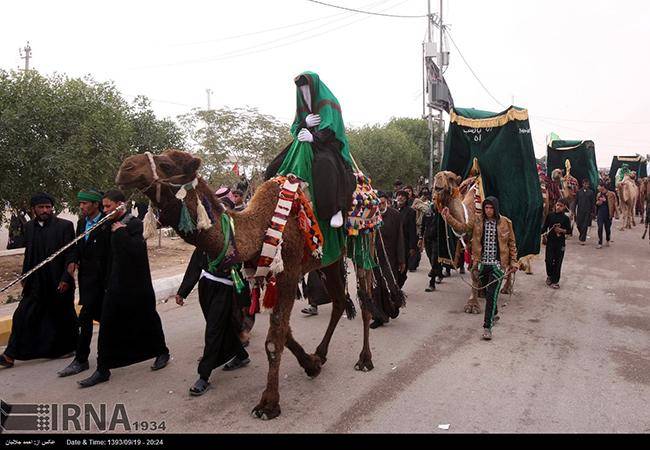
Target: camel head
[444,183]
[556,175]
[172,166]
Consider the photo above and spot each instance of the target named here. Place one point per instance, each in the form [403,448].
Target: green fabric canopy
[300,155]
[503,146]
[581,155]
[636,163]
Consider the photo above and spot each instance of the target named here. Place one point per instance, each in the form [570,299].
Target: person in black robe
[389,243]
[429,233]
[409,227]
[131,329]
[44,324]
[585,204]
[315,292]
[93,252]
[217,297]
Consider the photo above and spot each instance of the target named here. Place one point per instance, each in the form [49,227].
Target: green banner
[503,145]
[581,155]
[636,163]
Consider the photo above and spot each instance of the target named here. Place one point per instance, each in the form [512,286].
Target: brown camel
[446,187]
[568,188]
[175,168]
[627,193]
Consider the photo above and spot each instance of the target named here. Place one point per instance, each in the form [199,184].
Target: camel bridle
[163,181]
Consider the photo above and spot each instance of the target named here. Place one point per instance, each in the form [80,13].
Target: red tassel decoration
[255,302]
[271,295]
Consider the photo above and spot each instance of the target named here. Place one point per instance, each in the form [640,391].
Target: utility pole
[442,64]
[209,92]
[430,115]
[26,55]
[441,58]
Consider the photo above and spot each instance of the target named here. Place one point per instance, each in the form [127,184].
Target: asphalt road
[575,359]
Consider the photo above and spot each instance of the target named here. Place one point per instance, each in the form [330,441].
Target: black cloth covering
[45,322]
[216,299]
[387,295]
[93,254]
[409,227]
[334,181]
[131,329]
[314,290]
[429,233]
[585,204]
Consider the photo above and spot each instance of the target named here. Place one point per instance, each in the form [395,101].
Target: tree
[418,132]
[234,136]
[386,154]
[61,134]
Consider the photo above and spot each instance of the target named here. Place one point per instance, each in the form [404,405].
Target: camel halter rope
[103,220]
[455,267]
[65,247]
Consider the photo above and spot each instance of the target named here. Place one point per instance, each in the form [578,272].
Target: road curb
[163,287]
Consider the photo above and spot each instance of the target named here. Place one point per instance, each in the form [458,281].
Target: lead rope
[156,180]
[64,248]
[453,264]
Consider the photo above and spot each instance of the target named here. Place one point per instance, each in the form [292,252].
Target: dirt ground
[173,252]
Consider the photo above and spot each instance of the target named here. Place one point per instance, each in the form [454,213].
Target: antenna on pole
[26,54]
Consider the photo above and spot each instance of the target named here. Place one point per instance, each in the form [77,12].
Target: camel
[568,188]
[446,187]
[628,192]
[644,196]
[161,176]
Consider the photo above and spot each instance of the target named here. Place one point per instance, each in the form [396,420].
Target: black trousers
[414,261]
[606,222]
[431,247]
[89,312]
[488,274]
[554,258]
[221,331]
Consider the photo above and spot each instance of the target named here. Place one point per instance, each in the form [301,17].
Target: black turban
[41,198]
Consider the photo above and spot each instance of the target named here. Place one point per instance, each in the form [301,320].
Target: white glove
[305,136]
[312,120]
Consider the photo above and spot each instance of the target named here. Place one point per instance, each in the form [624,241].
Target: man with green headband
[93,253]
[320,156]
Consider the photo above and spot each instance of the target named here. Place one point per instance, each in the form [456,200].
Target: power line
[256,48]
[268,30]
[255,33]
[367,12]
[618,122]
[472,70]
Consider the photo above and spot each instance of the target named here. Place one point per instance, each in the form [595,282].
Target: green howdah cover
[639,166]
[581,154]
[503,145]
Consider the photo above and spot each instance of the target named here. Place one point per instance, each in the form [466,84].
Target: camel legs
[279,331]
[365,279]
[472,306]
[507,286]
[310,363]
[336,290]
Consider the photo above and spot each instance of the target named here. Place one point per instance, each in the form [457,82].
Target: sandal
[200,387]
[5,363]
[236,363]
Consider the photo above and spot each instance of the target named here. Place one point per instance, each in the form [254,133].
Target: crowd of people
[116,290]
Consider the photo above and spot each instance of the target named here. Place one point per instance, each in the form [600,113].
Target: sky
[579,66]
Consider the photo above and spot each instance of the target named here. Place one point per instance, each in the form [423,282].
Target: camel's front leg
[365,357]
[472,306]
[335,282]
[507,286]
[365,290]
[311,363]
[269,405]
